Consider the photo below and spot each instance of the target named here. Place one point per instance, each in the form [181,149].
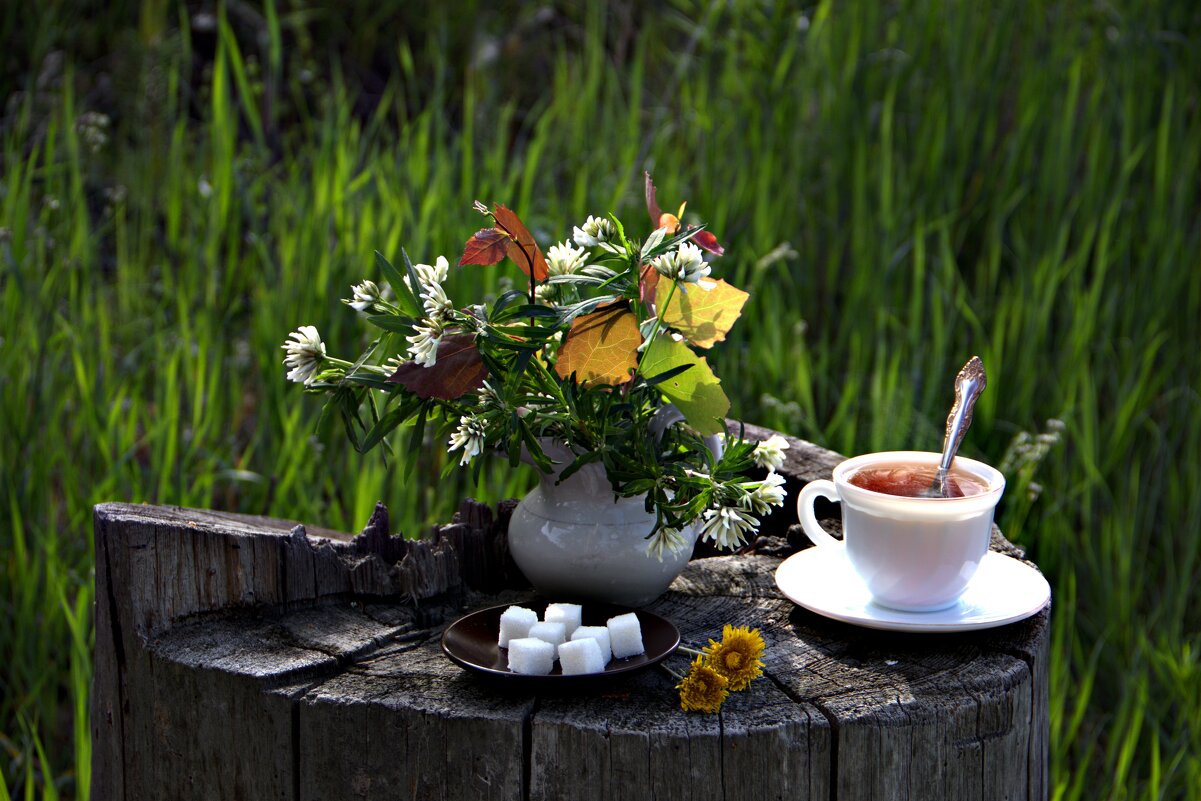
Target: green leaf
[569,313]
[535,311]
[504,301]
[661,377]
[370,380]
[535,449]
[414,282]
[417,437]
[403,293]
[388,422]
[697,392]
[585,458]
[392,322]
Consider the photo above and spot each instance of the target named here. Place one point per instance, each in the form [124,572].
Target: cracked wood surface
[242,657]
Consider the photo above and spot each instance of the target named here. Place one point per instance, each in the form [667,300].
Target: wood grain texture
[239,657]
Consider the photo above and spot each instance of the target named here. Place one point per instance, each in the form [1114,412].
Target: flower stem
[672,673]
[658,324]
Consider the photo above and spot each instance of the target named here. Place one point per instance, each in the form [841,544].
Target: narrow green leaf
[503,302]
[403,293]
[661,377]
[392,322]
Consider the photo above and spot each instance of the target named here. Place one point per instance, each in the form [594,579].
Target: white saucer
[822,580]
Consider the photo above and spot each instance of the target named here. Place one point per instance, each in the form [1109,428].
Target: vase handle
[669,415]
[716,444]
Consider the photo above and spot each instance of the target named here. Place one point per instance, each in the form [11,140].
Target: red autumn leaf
[652,205]
[459,369]
[703,240]
[486,247]
[647,285]
[707,241]
[521,246]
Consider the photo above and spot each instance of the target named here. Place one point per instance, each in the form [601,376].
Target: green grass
[898,187]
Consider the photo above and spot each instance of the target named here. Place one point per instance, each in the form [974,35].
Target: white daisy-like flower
[765,494]
[437,305]
[469,437]
[563,259]
[306,351]
[726,527]
[770,452]
[594,231]
[363,296]
[423,345]
[665,539]
[687,265]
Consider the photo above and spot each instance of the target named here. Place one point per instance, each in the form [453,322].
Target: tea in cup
[914,553]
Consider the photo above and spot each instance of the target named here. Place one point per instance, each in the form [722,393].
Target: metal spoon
[968,385]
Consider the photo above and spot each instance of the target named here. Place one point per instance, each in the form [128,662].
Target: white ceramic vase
[577,540]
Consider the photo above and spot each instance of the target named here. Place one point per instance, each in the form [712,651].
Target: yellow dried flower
[737,656]
[703,689]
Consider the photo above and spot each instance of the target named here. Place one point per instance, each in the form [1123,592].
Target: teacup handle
[821,488]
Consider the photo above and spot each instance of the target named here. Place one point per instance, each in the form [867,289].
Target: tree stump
[247,657]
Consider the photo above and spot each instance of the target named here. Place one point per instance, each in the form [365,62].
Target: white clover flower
[563,259]
[432,274]
[490,397]
[665,539]
[364,296]
[726,526]
[770,452]
[765,494]
[437,305]
[686,265]
[469,437]
[594,231]
[545,294]
[423,346]
[305,354]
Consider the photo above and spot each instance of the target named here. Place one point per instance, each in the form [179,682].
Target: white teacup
[914,554]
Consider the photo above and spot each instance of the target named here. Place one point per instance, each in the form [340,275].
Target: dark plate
[471,643]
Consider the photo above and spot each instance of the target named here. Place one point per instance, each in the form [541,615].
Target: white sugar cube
[515,623]
[598,633]
[551,632]
[625,636]
[531,656]
[581,656]
[567,614]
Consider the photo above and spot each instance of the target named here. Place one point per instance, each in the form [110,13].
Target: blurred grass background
[899,185]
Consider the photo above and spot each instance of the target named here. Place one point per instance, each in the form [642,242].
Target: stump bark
[247,657]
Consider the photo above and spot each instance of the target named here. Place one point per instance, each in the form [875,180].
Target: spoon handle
[968,385]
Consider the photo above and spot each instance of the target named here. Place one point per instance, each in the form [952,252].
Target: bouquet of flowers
[597,353]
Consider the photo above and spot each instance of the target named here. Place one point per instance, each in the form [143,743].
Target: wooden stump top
[242,657]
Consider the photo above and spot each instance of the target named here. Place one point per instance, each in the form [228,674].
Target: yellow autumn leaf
[601,347]
[703,316]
